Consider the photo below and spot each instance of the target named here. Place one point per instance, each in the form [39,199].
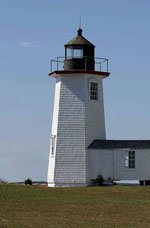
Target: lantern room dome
[79,40]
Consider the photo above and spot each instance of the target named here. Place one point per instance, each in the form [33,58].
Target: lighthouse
[78,113]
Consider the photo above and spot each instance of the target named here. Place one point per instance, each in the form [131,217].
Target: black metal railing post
[85,63]
[57,62]
[107,64]
[51,65]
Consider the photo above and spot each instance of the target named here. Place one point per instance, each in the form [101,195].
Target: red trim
[101,73]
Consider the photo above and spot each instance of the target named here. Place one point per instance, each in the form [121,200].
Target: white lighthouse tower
[78,114]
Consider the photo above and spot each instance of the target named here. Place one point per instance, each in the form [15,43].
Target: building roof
[118,144]
[79,40]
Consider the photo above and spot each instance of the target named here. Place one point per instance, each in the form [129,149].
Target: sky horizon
[33,33]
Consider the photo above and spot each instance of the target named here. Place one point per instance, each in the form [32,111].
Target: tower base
[67,185]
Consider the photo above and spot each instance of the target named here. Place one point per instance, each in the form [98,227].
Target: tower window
[74,53]
[77,53]
[69,52]
[53,142]
[94,91]
[130,159]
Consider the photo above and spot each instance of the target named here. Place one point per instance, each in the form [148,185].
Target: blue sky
[31,33]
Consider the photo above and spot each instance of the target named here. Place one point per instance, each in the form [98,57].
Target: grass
[37,206]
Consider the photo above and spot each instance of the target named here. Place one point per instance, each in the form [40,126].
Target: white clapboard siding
[51,166]
[70,166]
[76,122]
[111,164]
[95,119]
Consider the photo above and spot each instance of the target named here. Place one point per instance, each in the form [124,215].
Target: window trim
[130,160]
[71,53]
[96,92]
[80,56]
[52,145]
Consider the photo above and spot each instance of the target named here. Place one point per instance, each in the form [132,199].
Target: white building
[79,150]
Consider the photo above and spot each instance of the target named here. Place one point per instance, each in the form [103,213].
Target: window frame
[53,145]
[75,54]
[71,53]
[93,90]
[130,160]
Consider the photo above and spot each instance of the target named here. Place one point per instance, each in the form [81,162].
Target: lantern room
[79,54]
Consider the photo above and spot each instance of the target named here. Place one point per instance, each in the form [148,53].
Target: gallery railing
[101,64]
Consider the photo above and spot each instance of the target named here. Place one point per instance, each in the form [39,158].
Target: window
[69,52]
[53,139]
[94,91]
[130,159]
[77,53]
[74,53]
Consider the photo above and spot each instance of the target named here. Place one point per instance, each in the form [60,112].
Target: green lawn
[36,206]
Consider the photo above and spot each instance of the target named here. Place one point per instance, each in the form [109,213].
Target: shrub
[99,179]
[28,181]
